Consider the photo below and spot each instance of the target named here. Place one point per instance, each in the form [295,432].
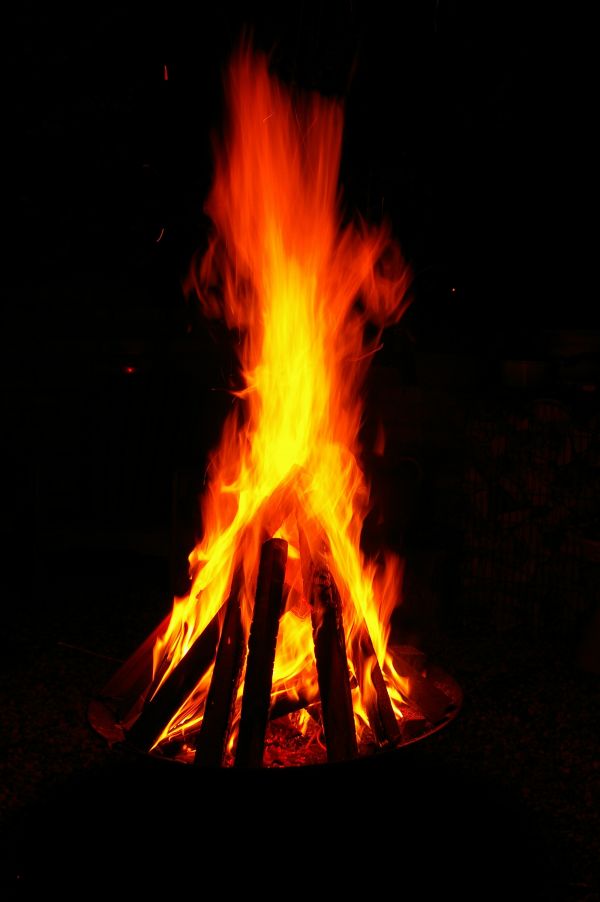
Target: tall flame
[299,288]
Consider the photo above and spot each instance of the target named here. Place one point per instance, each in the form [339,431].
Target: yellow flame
[299,288]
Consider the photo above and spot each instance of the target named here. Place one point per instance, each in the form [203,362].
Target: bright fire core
[299,289]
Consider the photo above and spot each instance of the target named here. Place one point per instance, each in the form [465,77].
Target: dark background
[468,126]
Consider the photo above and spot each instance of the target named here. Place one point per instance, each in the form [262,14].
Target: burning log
[177,687]
[281,503]
[377,701]
[121,699]
[332,666]
[330,653]
[256,699]
[216,722]
[289,704]
[376,697]
[423,694]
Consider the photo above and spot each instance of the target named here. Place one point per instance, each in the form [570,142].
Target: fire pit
[433,699]
[280,654]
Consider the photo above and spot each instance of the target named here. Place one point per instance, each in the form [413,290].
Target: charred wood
[422,693]
[332,666]
[382,719]
[262,642]
[180,683]
[216,723]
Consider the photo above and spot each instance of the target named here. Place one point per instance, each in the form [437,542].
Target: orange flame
[299,288]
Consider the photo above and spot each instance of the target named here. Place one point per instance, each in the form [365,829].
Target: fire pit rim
[438,675]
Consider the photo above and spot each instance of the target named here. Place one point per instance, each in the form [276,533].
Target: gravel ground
[512,783]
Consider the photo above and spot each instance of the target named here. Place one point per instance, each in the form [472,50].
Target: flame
[298,287]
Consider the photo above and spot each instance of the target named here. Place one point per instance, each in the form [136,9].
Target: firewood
[332,665]
[177,687]
[121,699]
[280,504]
[289,704]
[216,723]
[256,699]
[422,694]
[376,698]
[329,639]
[414,656]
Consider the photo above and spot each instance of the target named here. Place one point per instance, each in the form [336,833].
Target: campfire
[281,653]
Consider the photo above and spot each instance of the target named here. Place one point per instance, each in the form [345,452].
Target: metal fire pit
[286,746]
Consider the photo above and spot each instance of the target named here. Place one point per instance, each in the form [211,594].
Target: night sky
[464,126]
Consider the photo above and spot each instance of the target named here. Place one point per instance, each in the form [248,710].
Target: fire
[298,287]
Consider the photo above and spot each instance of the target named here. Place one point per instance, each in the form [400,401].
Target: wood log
[289,704]
[422,694]
[332,665]
[121,699]
[216,723]
[337,712]
[262,642]
[180,683]
[413,655]
[375,697]
[280,504]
